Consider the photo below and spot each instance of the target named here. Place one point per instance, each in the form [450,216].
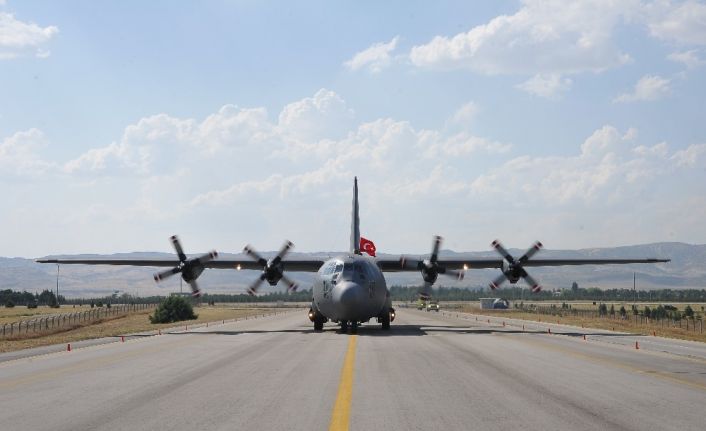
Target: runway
[431,371]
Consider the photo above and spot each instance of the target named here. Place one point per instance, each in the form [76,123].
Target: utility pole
[57,284]
[634,289]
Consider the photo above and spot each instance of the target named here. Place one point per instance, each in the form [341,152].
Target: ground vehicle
[433,306]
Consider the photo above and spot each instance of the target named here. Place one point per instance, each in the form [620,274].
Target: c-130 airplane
[350,288]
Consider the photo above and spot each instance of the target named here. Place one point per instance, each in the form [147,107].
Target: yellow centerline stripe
[340,417]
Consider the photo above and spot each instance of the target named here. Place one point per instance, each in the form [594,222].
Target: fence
[689,324]
[51,323]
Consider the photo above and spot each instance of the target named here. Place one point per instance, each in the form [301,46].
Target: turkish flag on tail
[367,246]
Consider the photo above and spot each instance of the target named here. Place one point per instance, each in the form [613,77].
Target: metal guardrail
[49,323]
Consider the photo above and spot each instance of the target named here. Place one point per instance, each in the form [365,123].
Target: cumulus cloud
[251,176]
[465,114]
[690,156]
[19,38]
[374,58]
[325,115]
[542,37]
[689,58]
[550,86]
[609,168]
[19,154]
[647,88]
[678,22]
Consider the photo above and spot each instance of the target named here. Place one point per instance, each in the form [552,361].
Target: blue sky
[580,124]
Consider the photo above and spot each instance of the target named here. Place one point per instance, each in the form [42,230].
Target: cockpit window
[348,271]
[329,268]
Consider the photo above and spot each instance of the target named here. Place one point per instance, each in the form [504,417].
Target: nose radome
[350,295]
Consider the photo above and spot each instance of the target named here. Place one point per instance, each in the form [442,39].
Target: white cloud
[465,114]
[18,38]
[609,168]
[542,37]
[648,88]
[375,58]
[690,156]
[19,154]
[238,175]
[550,86]
[683,23]
[689,58]
[325,115]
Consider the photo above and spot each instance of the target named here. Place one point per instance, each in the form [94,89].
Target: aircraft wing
[563,262]
[128,262]
[301,265]
[304,265]
[395,265]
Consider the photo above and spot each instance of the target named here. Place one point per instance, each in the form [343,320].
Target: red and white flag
[367,246]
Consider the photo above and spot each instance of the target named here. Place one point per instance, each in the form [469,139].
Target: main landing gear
[387,317]
[318,319]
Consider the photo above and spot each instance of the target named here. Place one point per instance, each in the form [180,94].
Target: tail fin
[355,222]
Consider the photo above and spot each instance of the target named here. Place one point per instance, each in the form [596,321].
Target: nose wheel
[346,325]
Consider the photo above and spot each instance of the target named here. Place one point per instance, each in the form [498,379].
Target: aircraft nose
[351,298]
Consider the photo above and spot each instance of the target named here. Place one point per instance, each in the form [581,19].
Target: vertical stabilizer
[355,220]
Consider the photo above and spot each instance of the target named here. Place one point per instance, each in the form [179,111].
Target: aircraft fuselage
[350,288]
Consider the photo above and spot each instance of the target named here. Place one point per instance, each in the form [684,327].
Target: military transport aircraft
[350,288]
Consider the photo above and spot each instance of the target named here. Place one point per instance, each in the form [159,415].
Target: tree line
[10,298]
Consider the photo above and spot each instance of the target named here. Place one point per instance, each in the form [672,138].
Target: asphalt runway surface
[430,371]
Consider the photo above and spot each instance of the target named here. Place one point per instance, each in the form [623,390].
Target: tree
[623,312]
[648,312]
[574,287]
[602,310]
[173,309]
[9,303]
[688,311]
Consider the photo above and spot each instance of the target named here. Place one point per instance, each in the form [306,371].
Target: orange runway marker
[68,347]
[637,346]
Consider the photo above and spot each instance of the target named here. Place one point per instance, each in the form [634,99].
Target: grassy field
[594,322]
[135,322]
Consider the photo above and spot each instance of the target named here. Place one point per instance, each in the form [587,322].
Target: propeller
[190,269]
[273,270]
[430,268]
[513,270]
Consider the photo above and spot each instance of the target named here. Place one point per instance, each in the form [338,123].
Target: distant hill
[687,270]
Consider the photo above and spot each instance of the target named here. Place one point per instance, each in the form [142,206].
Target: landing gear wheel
[344,326]
[385,320]
[354,327]
[318,325]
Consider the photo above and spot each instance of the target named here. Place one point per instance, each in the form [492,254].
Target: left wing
[302,265]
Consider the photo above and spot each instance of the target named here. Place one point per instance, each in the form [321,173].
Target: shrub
[688,311]
[99,304]
[173,309]
[32,304]
[9,303]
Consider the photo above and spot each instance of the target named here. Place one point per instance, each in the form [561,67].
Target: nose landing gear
[346,325]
